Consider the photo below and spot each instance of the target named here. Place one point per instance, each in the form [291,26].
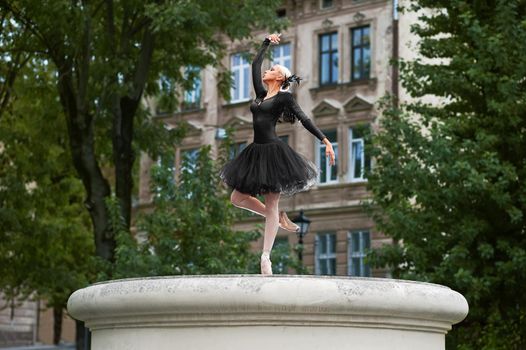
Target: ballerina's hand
[329,152]
[274,38]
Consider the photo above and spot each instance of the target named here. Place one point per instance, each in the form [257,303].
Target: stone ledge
[256,300]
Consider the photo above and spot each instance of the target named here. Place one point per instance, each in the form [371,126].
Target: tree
[46,250]
[449,181]
[113,55]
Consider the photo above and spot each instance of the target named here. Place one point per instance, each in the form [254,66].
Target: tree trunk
[123,155]
[73,90]
[81,140]
[57,324]
[124,110]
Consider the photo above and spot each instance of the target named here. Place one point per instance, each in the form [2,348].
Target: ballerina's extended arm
[292,107]
[256,69]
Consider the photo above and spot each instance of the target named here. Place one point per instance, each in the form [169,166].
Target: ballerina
[268,166]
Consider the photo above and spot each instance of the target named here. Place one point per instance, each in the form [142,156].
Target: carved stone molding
[326,107]
[357,103]
[194,128]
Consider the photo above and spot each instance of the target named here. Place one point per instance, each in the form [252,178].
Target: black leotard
[266,112]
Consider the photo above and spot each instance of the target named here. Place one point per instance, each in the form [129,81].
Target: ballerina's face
[274,73]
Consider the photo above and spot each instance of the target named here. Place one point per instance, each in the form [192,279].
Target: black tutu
[269,167]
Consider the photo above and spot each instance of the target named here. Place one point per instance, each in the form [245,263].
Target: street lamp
[303,222]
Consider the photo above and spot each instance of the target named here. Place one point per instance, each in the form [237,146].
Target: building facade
[341,49]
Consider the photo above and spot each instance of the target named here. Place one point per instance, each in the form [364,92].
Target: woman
[269,166]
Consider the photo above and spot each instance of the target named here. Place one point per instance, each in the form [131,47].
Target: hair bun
[293,78]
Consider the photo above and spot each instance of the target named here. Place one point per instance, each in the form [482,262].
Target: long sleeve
[292,107]
[256,69]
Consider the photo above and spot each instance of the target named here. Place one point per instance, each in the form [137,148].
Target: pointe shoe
[266,264]
[285,223]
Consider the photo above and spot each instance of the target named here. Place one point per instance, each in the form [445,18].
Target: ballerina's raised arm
[256,65]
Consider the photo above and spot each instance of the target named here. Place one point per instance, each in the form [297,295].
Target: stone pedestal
[220,312]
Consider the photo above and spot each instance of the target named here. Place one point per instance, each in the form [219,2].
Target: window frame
[361,254]
[280,267]
[329,168]
[361,47]
[171,166]
[364,165]
[332,53]
[282,58]
[194,93]
[243,67]
[181,157]
[327,256]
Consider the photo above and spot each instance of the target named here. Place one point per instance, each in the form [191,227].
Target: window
[328,173]
[281,55]
[328,58]
[326,4]
[240,67]
[359,161]
[358,243]
[282,248]
[361,53]
[325,254]
[188,163]
[235,149]
[189,159]
[165,102]
[164,176]
[167,162]
[192,96]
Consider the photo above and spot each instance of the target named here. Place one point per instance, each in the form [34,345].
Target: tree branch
[110,24]
[5,92]
[145,59]
[84,64]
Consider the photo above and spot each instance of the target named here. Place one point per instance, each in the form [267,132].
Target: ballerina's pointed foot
[266,264]
[286,223]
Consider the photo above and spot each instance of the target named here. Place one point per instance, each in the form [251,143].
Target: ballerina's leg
[248,202]
[252,204]
[271,220]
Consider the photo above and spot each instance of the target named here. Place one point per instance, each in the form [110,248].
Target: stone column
[258,312]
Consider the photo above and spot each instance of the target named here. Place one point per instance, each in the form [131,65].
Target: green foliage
[46,246]
[449,180]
